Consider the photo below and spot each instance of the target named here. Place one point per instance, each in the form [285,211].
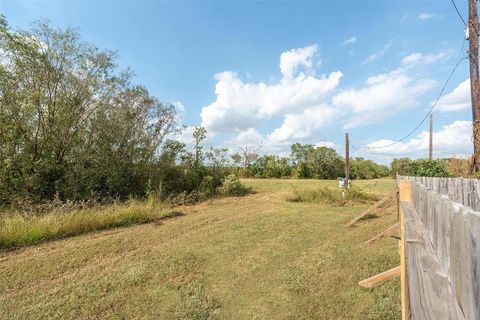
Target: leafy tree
[316,162]
[402,166]
[367,169]
[199,134]
[70,123]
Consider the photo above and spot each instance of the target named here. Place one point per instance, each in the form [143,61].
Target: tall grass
[18,230]
[332,196]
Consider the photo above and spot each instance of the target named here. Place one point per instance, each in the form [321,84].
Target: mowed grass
[255,257]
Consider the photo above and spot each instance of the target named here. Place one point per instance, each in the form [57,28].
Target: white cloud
[458,99]
[383,95]
[241,105]
[302,125]
[453,139]
[179,107]
[351,40]
[424,58]
[291,60]
[327,144]
[249,137]
[186,136]
[378,54]
[425,16]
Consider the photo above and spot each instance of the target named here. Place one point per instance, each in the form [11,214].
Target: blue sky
[272,73]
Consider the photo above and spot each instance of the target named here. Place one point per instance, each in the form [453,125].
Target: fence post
[405,194]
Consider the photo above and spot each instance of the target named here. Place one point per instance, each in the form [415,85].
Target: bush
[233,187]
[420,168]
[332,196]
[428,168]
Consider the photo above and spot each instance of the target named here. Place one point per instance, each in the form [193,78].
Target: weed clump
[332,196]
[232,186]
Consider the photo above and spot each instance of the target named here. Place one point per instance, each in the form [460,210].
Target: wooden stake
[384,234]
[369,210]
[405,191]
[397,198]
[380,278]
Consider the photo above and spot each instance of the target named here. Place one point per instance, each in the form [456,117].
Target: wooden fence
[440,247]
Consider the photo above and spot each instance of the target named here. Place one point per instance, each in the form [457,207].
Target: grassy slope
[257,257]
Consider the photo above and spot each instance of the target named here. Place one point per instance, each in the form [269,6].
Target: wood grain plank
[385,233]
[380,278]
[429,291]
[369,210]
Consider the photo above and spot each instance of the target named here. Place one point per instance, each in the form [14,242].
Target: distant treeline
[310,162]
[74,127]
[307,162]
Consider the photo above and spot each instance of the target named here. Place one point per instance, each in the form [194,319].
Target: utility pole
[474,81]
[430,142]
[347,169]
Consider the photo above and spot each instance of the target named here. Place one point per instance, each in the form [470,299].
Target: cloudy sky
[273,73]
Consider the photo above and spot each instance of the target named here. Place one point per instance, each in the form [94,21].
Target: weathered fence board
[430,293]
[448,219]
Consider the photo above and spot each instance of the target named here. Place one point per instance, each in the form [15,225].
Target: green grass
[255,257]
[18,230]
[325,194]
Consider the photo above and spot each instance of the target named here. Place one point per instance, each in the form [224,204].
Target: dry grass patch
[325,194]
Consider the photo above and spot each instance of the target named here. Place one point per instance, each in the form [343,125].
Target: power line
[426,116]
[458,12]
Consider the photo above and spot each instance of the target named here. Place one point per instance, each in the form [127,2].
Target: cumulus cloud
[240,105]
[425,16]
[249,137]
[452,140]
[351,40]
[297,126]
[458,99]
[293,59]
[382,96]
[424,58]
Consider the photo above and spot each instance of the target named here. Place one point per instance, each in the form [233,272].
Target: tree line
[74,126]
[310,162]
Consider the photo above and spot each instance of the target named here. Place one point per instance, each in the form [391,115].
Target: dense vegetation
[74,127]
[308,162]
[451,167]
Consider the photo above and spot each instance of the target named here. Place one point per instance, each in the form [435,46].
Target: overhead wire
[458,12]
[424,118]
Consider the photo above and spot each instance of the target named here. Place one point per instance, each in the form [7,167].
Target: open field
[255,257]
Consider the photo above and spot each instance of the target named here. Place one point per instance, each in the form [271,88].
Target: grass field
[254,257]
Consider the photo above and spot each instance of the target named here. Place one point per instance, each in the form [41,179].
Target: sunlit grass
[18,230]
[331,195]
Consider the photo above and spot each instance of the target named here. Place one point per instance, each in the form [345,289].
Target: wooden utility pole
[430,142]
[347,169]
[474,81]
